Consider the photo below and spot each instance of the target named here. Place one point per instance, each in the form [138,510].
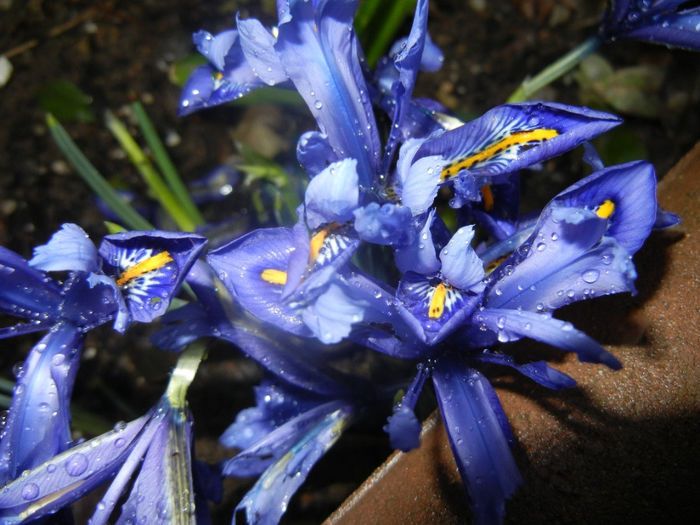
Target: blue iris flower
[581,247]
[132,276]
[671,22]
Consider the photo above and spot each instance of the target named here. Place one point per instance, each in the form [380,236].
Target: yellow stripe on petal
[437,302]
[273,276]
[606,209]
[515,139]
[150,264]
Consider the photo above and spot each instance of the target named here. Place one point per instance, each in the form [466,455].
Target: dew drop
[541,246]
[318,104]
[590,276]
[30,491]
[76,464]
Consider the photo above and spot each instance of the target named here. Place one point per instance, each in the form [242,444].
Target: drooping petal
[149,267]
[163,490]
[38,421]
[461,266]
[403,426]
[276,403]
[625,195]
[471,413]
[69,249]
[68,476]
[515,136]
[265,503]
[511,325]
[215,48]
[333,194]
[673,29]
[319,51]
[255,459]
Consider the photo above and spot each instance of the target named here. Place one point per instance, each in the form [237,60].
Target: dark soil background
[120,52]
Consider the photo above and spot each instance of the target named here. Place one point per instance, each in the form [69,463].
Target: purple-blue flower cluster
[371,293]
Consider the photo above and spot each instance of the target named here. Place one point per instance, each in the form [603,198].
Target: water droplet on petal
[590,276]
[30,491]
[76,464]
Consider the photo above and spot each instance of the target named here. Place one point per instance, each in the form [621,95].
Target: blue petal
[515,136]
[418,180]
[471,413]
[631,188]
[513,324]
[319,51]
[538,371]
[68,476]
[38,422]
[561,237]
[265,503]
[333,194]
[149,288]
[665,219]
[314,153]
[241,264]
[276,403]
[416,292]
[403,426]
[69,249]
[419,256]
[388,224]
[258,44]
[271,447]
[461,266]
[25,291]
[331,316]
[215,48]
[673,29]
[406,59]
[163,490]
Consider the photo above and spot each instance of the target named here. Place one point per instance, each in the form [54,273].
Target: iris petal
[69,249]
[631,188]
[470,411]
[513,324]
[515,136]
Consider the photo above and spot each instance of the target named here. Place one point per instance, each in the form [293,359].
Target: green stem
[183,374]
[166,166]
[149,174]
[555,70]
[93,178]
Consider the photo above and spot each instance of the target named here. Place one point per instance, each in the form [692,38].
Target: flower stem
[555,70]
[183,374]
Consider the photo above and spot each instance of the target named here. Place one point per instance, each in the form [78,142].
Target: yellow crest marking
[437,302]
[606,209]
[273,276]
[514,139]
[487,196]
[156,262]
[317,240]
